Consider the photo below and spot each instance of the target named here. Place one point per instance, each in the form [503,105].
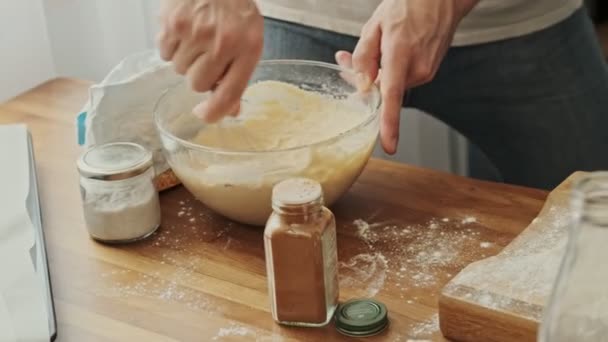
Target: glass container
[578,307]
[301,255]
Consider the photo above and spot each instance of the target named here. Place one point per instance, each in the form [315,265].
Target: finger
[179,20]
[205,72]
[228,93]
[344,59]
[167,44]
[185,56]
[236,110]
[209,68]
[165,8]
[377,81]
[392,88]
[366,56]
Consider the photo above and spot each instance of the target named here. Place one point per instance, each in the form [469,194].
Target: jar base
[124,241]
[330,316]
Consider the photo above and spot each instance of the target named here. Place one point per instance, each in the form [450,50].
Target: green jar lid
[361,318]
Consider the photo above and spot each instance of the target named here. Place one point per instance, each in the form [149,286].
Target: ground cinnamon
[301,255]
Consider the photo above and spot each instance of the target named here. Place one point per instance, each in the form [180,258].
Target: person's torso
[490,20]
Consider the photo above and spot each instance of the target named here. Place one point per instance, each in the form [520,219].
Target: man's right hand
[216,44]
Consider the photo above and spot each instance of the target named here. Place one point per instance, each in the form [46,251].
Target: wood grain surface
[501,298]
[202,278]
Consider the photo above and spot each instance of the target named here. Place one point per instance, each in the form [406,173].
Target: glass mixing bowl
[238,184]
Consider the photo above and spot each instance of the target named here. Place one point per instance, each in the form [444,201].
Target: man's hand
[216,44]
[408,38]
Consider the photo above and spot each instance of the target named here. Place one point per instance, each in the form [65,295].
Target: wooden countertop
[202,278]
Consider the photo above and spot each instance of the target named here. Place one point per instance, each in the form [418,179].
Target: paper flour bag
[121,107]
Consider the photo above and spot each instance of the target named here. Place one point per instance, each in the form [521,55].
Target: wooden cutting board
[501,298]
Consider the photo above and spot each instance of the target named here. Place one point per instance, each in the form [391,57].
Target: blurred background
[43,39]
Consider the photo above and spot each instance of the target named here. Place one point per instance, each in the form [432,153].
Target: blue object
[81,127]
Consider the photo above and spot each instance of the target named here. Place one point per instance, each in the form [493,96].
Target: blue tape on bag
[81,127]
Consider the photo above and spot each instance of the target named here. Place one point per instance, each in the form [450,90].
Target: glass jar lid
[114,161]
[361,318]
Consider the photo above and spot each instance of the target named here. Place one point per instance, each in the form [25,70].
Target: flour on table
[176,249]
[234,330]
[364,273]
[131,284]
[524,272]
[368,232]
[426,329]
[239,332]
[363,229]
[417,256]
[485,244]
[469,219]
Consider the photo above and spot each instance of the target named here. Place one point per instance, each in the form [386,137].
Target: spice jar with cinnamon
[301,255]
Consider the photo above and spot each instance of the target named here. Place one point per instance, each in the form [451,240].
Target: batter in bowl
[278,116]
[285,126]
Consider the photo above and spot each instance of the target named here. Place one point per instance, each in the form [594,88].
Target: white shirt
[490,20]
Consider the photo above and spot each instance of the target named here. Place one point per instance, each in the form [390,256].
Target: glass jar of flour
[577,310]
[119,199]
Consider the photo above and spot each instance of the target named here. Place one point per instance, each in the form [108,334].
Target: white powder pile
[367,232]
[469,219]
[178,246]
[425,329]
[193,226]
[239,332]
[485,244]
[363,274]
[234,330]
[131,284]
[419,256]
[524,272]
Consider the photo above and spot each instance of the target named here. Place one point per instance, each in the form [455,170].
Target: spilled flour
[427,328]
[364,274]
[234,330]
[485,244]
[469,219]
[413,256]
[413,261]
[239,332]
[524,272]
[131,284]
[365,230]
[178,249]
[425,331]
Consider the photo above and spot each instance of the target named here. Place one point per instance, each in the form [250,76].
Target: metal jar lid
[361,318]
[114,161]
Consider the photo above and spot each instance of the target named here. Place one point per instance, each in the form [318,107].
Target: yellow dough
[291,122]
[277,115]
